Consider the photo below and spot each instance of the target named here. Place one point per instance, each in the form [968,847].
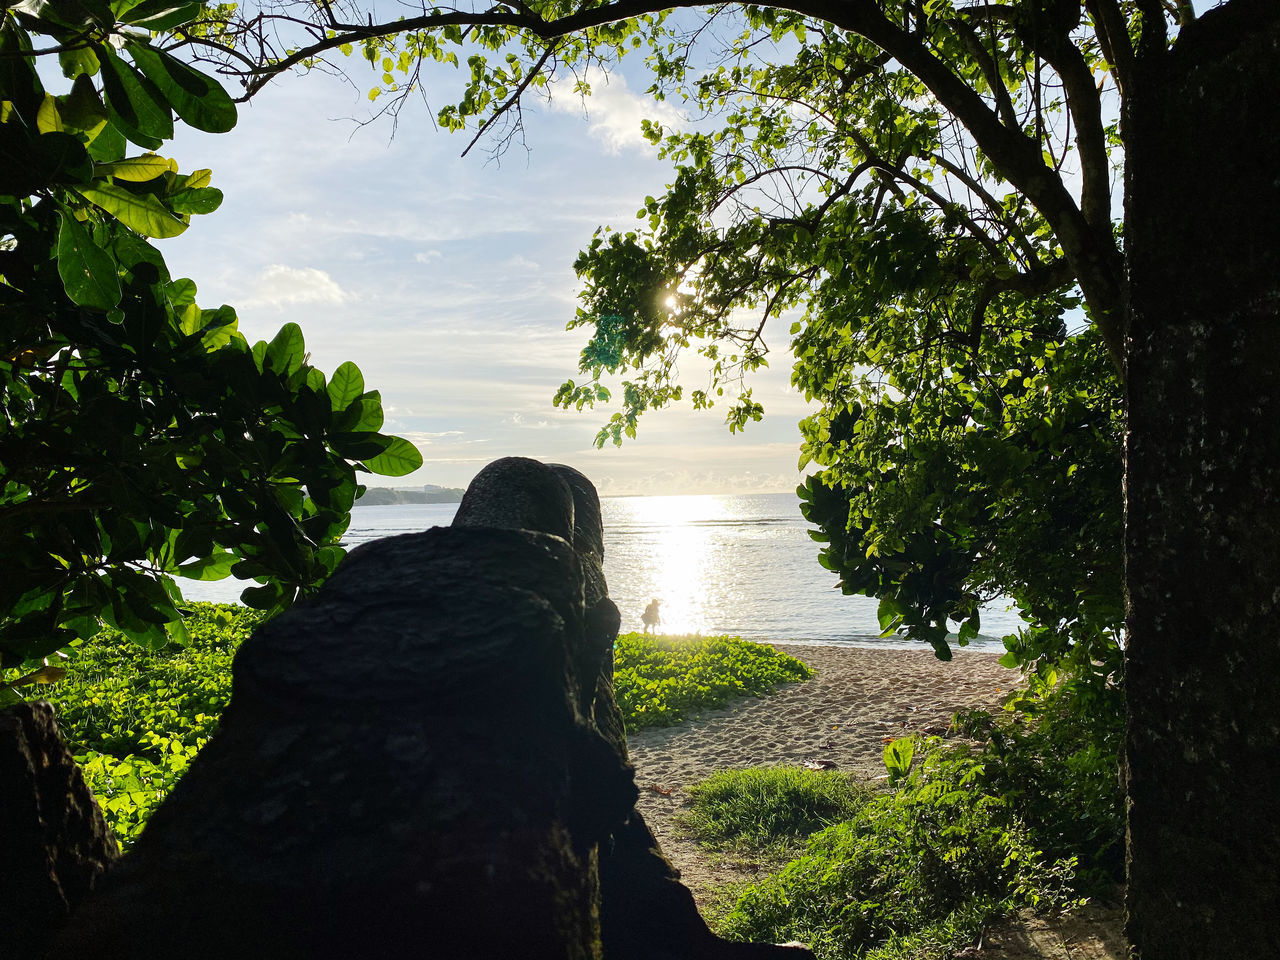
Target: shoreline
[860,699]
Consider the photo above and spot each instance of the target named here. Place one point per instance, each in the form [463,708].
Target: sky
[449,281]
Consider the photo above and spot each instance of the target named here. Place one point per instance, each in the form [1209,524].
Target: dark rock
[426,759]
[54,844]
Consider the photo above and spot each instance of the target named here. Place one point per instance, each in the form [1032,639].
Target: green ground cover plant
[1028,814]
[663,680]
[136,718]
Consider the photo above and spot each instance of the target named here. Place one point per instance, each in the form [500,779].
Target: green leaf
[137,169]
[177,632]
[89,274]
[60,158]
[68,13]
[364,415]
[216,567]
[399,458]
[108,144]
[140,212]
[345,385]
[141,110]
[261,598]
[160,15]
[897,758]
[82,109]
[42,675]
[287,349]
[74,63]
[362,445]
[889,613]
[197,201]
[181,292]
[198,99]
[47,118]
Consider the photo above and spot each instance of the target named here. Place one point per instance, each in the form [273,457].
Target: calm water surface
[742,565]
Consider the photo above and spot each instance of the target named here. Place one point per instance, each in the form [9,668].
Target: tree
[142,436]
[934,181]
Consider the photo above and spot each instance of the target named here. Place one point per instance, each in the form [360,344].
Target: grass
[136,718]
[765,809]
[910,873]
[664,680]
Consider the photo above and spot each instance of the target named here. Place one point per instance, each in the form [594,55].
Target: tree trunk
[1202,135]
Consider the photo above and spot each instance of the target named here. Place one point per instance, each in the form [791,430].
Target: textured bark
[1202,132]
[54,844]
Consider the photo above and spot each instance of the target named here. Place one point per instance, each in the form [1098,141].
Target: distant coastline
[388,496]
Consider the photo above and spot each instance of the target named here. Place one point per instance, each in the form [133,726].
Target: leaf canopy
[141,437]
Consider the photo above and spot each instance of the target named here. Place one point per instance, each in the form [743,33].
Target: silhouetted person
[651,617]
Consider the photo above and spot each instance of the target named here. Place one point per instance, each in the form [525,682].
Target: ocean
[740,564]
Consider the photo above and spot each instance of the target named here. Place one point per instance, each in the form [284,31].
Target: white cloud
[520,420]
[428,256]
[520,262]
[278,285]
[613,112]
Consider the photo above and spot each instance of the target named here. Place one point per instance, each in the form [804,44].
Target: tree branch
[511,101]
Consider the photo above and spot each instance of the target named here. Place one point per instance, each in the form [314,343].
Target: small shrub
[769,807]
[660,681]
[1054,758]
[925,864]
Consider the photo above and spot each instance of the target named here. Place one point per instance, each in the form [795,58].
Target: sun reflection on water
[680,566]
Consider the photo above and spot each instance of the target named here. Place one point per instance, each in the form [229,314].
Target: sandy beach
[860,699]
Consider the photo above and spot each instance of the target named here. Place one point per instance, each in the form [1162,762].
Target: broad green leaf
[364,414]
[178,633]
[108,143]
[137,169]
[42,675]
[898,756]
[261,598]
[89,273]
[259,354]
[160,15]
[193,180]
[149,636]
[48,120]
[195,201]
[399,458]
[78,62]
[82,109]
[216,567]
[143,112]
[345,385]
[60,158]
[140,212]
[363,445]
[198,99]
[286,350]
[889,613]
[76,14]
[188,317]
[181,292]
